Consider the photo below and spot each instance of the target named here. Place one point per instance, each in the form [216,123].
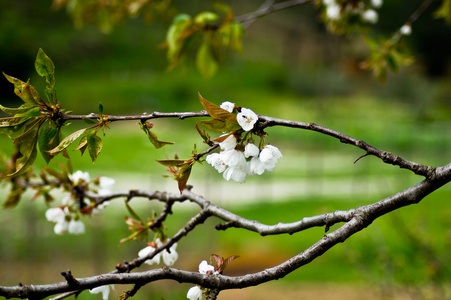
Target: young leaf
[82,145]
[27,148]
[14,195]
[45,68]
[154,140]
[214,125]
[227,261]
[48,138]
[183,177]
[66,142]
[205,61]
[172,162]
[216,112]
[13,111]
[94,145]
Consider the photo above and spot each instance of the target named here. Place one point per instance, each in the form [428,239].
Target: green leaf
[66,142]
[101,108]
[48,139]
[206,17]
[32,113]
[45,68]
[27,148]
[13,111]
[205,61]
[154,140]
[183,177]
[82,145]
[14,195]
[94,144]
[444,11]
[214,125]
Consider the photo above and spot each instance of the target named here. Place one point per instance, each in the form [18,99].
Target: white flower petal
[233,158]
[170,258]
[251,150]
[60,227]
[236,174]
[246,119]
[104,289]
[370,16]
[204,267]
[333,12]
[229,143]
[147,251]
[79,176]
[55,214]
[76,227]
[256,166]
[227,105]
[406,30]
[194,293]
[376,3]
[215,161]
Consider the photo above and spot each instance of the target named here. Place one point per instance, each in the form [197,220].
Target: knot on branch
[70,278]
[431,173]
[224,226]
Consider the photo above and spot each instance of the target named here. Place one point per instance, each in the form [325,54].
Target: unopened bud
[149,124]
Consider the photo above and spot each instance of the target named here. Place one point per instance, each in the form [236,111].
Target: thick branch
[362,217]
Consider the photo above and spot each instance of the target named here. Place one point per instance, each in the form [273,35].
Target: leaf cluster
[36,124]
[386,54]
[209,34]
[107,14]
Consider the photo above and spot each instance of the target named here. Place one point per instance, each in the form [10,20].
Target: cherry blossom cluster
[335,10]
[169,257]
[237,162]
[67,215]
[197,292]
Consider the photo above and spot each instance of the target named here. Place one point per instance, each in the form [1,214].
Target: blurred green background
[291,69]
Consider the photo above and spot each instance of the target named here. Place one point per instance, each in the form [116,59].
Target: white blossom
[104,289]
[68,200]
[269,156]
[170,258]
[55,214]
[61,227]
[247,119]
[333,12]
[205,268]
[76,227]
[405,30]
[256,166]
[233,158]
[147,251]
[269,153]
[105,185]
[194,293]
[79,176]
[227,105]
[251,150]
[236,174]
[376,3]
[229,143]
[329,2]
[216,161]
[370,16]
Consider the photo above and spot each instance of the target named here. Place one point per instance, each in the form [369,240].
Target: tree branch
[387,157]
[361,218]
[265,9]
